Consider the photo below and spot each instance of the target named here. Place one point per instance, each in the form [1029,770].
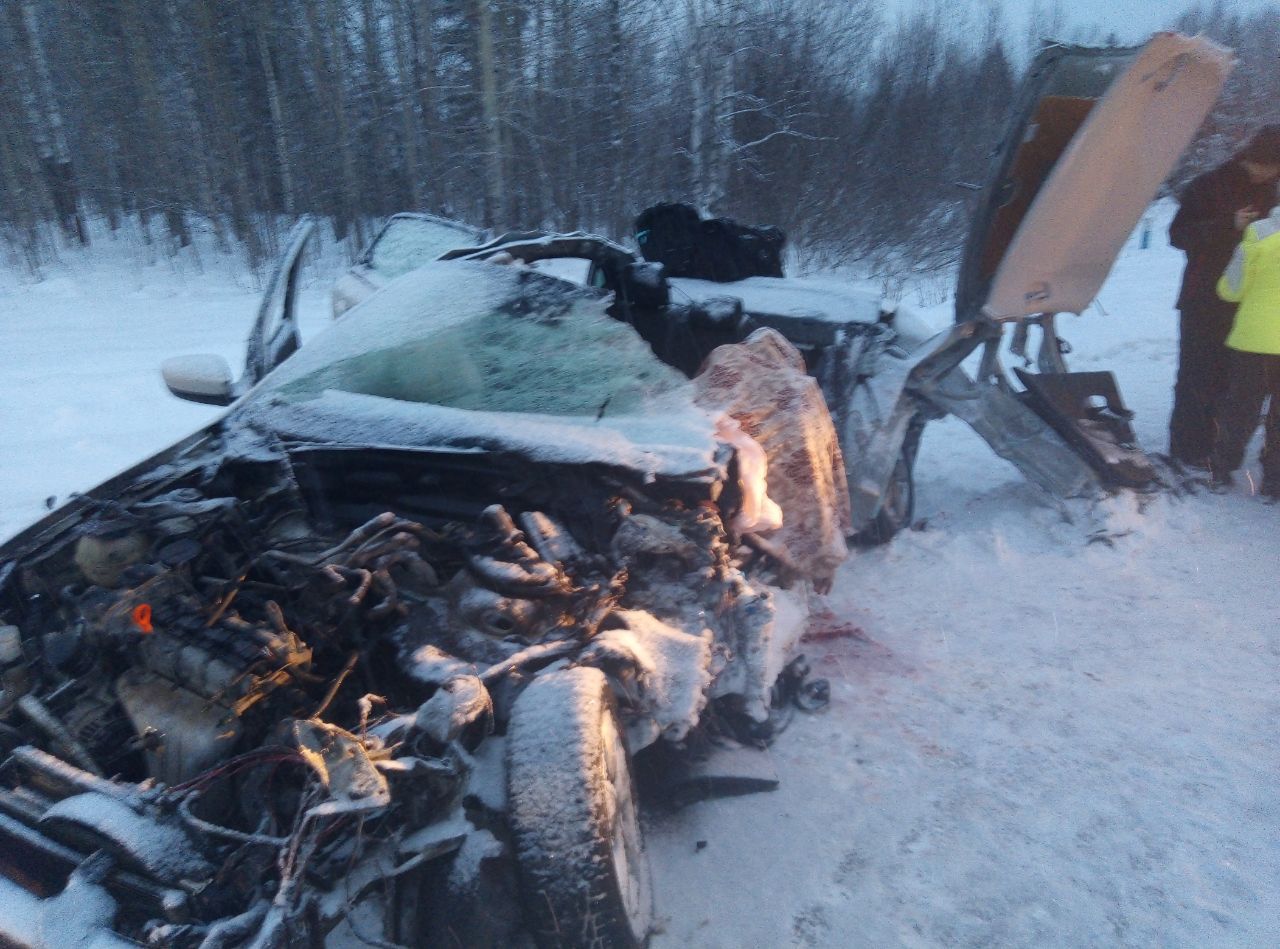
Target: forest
[863,135]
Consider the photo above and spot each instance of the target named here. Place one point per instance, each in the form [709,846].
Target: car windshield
[483,337]
[409,242]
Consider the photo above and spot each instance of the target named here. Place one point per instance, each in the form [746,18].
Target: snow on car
[376,648]
[278,670]
[1094,132]
[406,242]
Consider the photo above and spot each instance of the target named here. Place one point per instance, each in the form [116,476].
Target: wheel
[899,504]
[583,869]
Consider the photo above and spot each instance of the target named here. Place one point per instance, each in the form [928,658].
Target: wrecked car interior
[372,653]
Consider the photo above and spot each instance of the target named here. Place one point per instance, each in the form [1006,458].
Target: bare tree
[849,132]
[495,160]
[44,121]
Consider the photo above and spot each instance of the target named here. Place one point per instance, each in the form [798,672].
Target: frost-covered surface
[162,849]
[1032,740]
[817,298]
[680,576]
[680,444]
[674,668]
[433,665]
[768,623]
[479,845]
[75,917]
[409,242]
[453,354]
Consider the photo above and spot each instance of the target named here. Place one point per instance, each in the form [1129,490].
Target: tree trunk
[154,151]
[51,139]
[700,118]
[495,182]
[283,166]
[335,44]
[404,34]
[424,78]
[379,164]
[616,151]
[227,160]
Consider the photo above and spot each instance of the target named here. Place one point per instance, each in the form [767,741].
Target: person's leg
[1202,380]
[1271,447]
[1237,413]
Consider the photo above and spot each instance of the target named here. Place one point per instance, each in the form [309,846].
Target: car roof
[826,300]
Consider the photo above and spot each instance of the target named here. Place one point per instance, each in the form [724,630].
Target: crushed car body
[375,649]
[1093,134]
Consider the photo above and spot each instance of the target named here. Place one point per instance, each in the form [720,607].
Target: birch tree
[44,121]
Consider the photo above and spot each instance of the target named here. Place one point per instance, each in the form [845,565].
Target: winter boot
[1270,490]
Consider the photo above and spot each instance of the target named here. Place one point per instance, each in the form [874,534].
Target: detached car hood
[1094,136]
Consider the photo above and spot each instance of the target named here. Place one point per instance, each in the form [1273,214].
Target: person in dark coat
[1215,208]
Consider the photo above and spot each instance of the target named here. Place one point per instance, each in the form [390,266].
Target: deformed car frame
[374,649]
[1093,134]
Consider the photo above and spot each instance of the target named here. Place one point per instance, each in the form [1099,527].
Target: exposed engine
[224,690]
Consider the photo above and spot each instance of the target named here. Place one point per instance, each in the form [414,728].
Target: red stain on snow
[825,626]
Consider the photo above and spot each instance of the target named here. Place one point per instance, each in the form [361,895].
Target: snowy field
[1032,741]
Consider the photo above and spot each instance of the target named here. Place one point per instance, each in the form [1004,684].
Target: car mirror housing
[202,378]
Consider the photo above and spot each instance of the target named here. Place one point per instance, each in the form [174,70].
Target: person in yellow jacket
[1252,279]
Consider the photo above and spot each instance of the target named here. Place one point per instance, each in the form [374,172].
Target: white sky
[1085,20]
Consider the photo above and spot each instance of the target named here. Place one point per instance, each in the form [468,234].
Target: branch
[805,136]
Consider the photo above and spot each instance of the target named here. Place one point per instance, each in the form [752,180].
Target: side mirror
[205,379]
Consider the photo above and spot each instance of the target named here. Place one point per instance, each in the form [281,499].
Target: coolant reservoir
[103,558]
[13,674]
[10,644]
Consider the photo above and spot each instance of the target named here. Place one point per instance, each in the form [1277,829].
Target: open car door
[275,337]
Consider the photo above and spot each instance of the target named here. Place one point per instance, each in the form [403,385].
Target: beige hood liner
[1106,178]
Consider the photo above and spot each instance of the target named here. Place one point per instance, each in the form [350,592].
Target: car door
[275,335]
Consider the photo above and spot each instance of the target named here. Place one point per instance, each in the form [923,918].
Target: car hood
[1095,133]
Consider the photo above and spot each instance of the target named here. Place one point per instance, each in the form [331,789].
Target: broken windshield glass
[489,339]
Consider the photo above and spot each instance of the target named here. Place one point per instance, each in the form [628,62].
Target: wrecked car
[375,649]
[1094,132]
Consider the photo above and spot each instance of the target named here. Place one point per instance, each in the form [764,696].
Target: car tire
[583,868]
[899,504]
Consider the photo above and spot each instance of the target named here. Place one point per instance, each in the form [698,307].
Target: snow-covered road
[1032,740]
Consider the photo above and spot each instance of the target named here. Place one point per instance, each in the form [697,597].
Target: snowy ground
[1032,740]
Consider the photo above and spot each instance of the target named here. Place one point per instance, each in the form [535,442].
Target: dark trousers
[1254,378]
[1202,378]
